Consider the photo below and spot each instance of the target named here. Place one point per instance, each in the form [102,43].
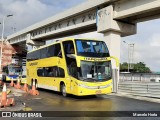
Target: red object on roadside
[4,101]
[18,86]
[33,91]
[25,87]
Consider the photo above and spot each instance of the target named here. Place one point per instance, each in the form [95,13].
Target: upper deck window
[68,47]
[50,51]
[92,48]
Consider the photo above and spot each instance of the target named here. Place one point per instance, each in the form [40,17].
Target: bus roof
[65,39]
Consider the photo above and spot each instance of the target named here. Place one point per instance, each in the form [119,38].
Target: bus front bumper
[82,91]
[9,79]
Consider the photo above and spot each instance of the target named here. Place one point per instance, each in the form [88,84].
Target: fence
[140,84]
[140,89]
[139,77]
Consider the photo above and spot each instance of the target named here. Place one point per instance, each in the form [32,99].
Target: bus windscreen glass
[92,48]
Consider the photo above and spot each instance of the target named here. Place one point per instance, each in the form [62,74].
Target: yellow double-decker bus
[71,66]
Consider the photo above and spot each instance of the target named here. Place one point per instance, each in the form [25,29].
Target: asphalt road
[53,101]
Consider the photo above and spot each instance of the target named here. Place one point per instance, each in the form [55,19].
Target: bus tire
[63,90]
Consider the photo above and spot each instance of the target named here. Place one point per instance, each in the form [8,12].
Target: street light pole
[128,58]
[130,54]
[2,38]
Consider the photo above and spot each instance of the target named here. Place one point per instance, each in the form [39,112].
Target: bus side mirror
[116,59]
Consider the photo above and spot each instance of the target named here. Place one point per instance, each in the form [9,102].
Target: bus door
[73,74]
[60,74]
[58,63]
[69,53]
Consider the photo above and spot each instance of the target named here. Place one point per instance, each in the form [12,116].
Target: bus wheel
[63,90]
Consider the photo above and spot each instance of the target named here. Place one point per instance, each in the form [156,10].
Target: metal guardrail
[143,77]
[140,89]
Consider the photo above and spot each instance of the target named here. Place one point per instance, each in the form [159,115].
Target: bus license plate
[98,92]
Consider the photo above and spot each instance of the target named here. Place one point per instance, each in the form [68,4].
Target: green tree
[141,67]
[138,67]
[124,66]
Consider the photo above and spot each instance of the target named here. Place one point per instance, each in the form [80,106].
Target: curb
[156,100]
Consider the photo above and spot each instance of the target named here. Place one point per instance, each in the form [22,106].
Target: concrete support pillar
[113,40]
[113,31]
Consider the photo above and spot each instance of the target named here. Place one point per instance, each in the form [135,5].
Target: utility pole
[2,39]
[130,55]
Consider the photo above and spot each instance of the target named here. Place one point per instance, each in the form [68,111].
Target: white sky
[28,12]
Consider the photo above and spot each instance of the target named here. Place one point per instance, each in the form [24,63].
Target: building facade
[8,53]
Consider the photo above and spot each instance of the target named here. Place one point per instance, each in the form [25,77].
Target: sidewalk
[150,99]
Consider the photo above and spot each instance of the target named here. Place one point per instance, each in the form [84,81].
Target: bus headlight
[81,85]
[94,87]
[106,86]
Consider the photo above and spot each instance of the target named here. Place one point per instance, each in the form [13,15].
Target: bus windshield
[95,71]
[91,48]
[16,70]
[12,69]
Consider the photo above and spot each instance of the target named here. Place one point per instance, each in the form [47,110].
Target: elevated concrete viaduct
[113,18]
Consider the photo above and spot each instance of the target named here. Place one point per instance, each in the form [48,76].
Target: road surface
[53,101]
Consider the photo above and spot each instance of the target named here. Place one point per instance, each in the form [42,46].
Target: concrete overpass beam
[106,22]
[113,30]
[33,42]
[128,8]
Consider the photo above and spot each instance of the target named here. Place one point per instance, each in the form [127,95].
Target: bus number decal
[34,63]
[94,59]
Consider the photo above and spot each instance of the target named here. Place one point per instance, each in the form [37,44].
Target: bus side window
[51,50]
[68,47]
[61,72]
[43,52]
[58,50]
[45,72]
[40,72]
[52,71]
